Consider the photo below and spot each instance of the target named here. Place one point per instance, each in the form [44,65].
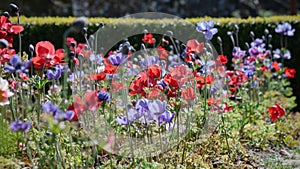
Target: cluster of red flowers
[7,29]
[276,111]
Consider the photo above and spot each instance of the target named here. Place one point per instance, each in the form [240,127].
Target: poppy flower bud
[219,40]
[145,31]
[169,33]
[79,24]
[266,31]
[71,54]
[269,38]
[73,44]
[14,9]
[270,46]
[125,49]
[84,30]
[143,47]
[92,37]
[236,28]
[252,35]
[31,48]
[101,25]
[6,14]
[3,43]
[247,45]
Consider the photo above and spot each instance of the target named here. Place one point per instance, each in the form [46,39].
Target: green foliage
[8,139]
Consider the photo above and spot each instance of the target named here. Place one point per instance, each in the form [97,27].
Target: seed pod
[236,28]
[252,35]
[3,43]
[31,48]
[219,40]
[79,24]
[14,9]
[169,33]
[6,14]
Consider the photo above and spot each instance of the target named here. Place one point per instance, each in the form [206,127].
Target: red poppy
[90,103]
[46,56]
[230,73]
[179,72]
[81,48]
[290,72]
[188,94]
[70,40]
[162,53]
[148,38]
[169,80]
[154,93]
[276,111]
[6,54]
[275,65]
[210,101]
[222,59]
[138,85]
[116,86]
[154,72]
[110,69]
[7,29]
[194,46]
[264,68]
[201,80]
[227,108]
[97,77]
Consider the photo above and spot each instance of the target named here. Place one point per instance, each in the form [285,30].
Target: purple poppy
[133,115]
[156,108]
[259,43]
[141,106]
[166,117]
[103,96]
[249,70]
[285,29]
[55,74]
[58,114]
[148,61]
[19,125]
[122,120]
[117,59]
[48,107]
[238,53]
[286,54]
[162,83]
[69,115]
[213,89]
[16,65]
[207,28]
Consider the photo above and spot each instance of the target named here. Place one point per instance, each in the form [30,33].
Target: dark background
[182,8]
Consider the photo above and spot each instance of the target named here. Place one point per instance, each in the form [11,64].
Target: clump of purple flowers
[283,53]
[285,29]
[20,126]
[117,59]
[16,65]
[103,96]
[58,114]
[147,111]
[207,28]
[56,73]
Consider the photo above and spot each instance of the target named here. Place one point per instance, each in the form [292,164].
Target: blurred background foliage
[182,8]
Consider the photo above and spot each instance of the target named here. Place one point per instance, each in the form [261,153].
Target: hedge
[52,29]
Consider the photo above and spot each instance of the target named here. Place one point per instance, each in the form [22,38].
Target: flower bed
[152,101]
